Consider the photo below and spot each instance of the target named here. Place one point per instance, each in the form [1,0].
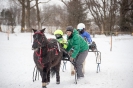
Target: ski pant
[79,62]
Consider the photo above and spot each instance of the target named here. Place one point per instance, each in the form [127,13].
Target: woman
[80,49]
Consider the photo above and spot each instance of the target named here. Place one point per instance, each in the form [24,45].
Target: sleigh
[92,48]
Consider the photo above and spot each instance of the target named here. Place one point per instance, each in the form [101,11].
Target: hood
[75,32]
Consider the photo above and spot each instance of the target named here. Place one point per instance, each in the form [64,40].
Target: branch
[64,3]
[39,3]
[16,2]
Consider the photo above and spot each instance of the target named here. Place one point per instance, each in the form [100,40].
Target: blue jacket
[87,36]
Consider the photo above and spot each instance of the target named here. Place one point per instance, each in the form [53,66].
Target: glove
[62,45]
[71,59]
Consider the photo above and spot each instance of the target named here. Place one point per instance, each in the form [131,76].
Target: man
[80,49]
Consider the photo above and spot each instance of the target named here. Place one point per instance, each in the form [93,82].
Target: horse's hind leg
[72,70]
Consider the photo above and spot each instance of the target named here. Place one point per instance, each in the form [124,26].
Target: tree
[11,15]
[104,13]
[76,12]
[54,16]
[125,10]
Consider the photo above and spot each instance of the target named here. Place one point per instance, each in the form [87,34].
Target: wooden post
[8,34]
[31,35]
[111,42]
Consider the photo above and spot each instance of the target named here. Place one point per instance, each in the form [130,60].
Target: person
[83,33]
[80,49]
[59,36]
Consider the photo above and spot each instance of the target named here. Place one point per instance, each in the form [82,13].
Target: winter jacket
[77,43]
[87,36]
[63,42]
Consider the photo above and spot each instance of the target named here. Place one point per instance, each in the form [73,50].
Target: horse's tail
[53,71]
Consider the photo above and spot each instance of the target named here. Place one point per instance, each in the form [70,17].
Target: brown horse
[47,56]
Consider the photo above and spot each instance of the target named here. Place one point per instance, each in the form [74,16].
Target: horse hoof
[57,82]
[44,87]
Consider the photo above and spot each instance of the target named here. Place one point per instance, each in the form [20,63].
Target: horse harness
[51,46]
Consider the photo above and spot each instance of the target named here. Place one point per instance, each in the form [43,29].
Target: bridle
[42,40]
[40,43]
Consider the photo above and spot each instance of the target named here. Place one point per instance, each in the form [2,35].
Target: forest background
[99,16]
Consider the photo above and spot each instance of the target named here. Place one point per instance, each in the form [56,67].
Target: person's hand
[71,59]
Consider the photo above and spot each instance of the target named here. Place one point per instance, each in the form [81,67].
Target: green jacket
[77,43]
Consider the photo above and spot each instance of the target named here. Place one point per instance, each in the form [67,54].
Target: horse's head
[39,39]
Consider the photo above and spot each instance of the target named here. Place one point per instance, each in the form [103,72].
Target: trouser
[79,62]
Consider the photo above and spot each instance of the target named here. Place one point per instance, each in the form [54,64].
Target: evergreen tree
[76,12]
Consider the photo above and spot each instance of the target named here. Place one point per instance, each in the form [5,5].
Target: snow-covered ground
[16,64]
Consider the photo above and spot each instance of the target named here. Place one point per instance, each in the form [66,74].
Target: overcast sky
[6,4]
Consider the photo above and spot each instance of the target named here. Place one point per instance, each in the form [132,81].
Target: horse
[47,56]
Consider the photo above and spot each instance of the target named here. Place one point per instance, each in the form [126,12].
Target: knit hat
[69,28]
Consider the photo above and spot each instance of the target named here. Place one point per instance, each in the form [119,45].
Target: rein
[40,58]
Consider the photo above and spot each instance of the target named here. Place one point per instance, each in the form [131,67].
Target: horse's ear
[42,31]
[34,30]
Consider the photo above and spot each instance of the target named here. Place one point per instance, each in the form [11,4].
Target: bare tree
[11,16]
[22,2]
[98,11]
[54,16]
[103,12]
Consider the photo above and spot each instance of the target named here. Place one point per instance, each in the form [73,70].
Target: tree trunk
[38,16]
[28,16]
[23,16]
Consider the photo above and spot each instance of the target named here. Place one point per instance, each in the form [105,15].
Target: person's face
[68,33]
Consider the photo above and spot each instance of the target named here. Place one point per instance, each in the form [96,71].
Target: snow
[16,64]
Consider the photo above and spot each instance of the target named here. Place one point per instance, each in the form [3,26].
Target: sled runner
[93,48]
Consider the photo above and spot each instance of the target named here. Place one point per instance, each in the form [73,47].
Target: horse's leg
[48,77]
[57,69]
[72,70]
[44,78]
